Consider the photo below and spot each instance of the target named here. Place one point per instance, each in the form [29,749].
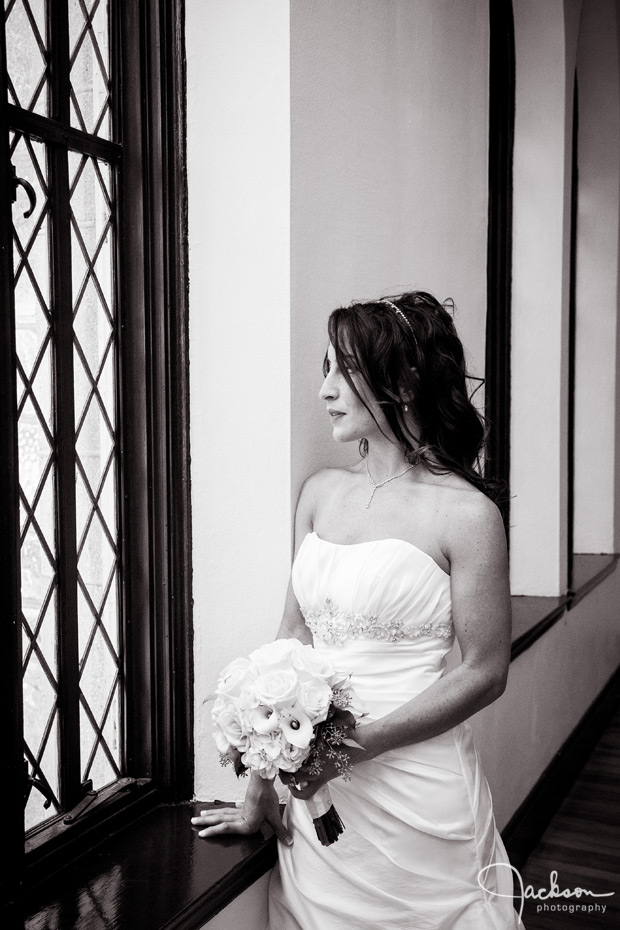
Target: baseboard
[523,832]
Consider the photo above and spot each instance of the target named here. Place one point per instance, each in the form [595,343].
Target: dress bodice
[386,589]
[383,611]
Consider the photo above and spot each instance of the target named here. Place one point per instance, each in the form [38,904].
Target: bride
[396,556]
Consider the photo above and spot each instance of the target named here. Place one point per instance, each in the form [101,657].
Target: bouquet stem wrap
[327,823]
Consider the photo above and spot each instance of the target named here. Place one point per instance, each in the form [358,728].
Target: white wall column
[541,241]
[239,236]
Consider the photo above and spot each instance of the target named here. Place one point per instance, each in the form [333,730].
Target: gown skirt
[420,849]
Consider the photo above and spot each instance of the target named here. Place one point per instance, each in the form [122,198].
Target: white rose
[229,720]
[233,677]
[315,697]
[277,688]
[222,744]
[312,664]
[274,656]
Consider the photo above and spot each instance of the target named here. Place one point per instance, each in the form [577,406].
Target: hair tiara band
[400,314]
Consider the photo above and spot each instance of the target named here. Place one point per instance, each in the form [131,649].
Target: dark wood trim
[134,482]
[525,829]
[499,246]
[572,332]
[180,762]
[163,213]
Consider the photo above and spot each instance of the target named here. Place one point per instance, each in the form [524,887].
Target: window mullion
[58,42]
[68,648]
[62,304]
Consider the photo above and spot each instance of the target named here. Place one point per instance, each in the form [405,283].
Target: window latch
[84,804]
[21,182]
[31,782]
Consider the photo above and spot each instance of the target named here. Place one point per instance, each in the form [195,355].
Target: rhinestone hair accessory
[400,313]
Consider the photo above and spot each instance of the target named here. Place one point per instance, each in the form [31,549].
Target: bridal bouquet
[283,706]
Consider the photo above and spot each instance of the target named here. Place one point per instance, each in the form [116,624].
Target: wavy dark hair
[415,356]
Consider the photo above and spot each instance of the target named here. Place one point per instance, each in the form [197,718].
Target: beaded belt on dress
[334,625]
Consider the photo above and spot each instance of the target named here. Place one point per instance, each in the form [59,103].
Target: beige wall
[550,687]
[389,176]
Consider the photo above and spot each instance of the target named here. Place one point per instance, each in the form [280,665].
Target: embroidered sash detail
[334,625]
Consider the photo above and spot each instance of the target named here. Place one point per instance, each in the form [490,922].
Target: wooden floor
[581,844]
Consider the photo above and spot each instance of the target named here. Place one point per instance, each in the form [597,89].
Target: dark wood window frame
[152,341]
[499,245]
[572,334]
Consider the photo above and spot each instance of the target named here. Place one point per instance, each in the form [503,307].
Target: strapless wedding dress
[419,826]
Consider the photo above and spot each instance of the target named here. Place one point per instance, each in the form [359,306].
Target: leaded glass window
[65,298]
[95,644]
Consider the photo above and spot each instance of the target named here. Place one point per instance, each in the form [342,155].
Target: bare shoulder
[321,482]
[316,489]
[470,520]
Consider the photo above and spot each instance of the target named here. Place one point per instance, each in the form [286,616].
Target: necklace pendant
[382,484]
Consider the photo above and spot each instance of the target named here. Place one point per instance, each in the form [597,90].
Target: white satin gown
[419,824]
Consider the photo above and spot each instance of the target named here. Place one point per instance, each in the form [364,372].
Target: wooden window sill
[533,616]
[157,874]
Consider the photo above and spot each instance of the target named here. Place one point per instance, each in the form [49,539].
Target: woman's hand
[303,784]
[261,804]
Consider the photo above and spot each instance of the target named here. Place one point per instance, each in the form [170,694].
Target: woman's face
[351,418]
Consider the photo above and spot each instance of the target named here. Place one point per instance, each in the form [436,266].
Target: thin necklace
[375,486]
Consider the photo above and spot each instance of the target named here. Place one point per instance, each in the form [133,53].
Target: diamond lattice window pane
[26,54]
[37,474]
[35,812]
[89,38]
[40,703]
[40,696]
[31,257]
[96,467]
[34,452]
